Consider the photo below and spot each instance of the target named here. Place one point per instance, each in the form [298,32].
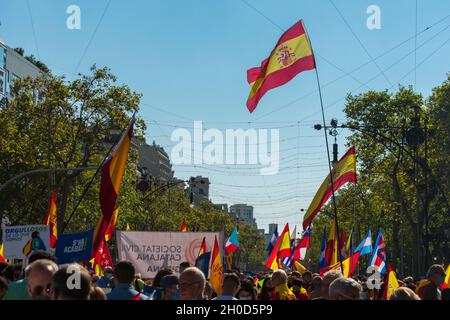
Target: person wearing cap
[169,286]
[106,281]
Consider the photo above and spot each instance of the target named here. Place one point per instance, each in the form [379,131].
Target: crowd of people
[43,279]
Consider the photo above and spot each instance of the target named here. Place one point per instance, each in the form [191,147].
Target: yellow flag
[128,227]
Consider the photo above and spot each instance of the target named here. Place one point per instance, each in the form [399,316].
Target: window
[2,57]
[200,191]
[2,82]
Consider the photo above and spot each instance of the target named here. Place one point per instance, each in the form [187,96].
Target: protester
[106,281]
[266,289]
[328,278]
[169,286]
[138,283]
[307,278]
[18,290]
[39,276]
[403,293]
[209,292]
[315,288]
[344,289]
[97,294]
[281,290]
[3,287]
[62,287]
[184,265]
[230,287]
[246,291]
[435,276]
[192,284]
[154,290]
[298,288]
[124,275]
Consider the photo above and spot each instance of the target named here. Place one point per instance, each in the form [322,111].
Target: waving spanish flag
[391,283]
[216,270]
[50,219]
[292,54]
[281,249]
[112,174]
[2,255]
[343,171]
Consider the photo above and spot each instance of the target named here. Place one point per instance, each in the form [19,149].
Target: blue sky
[189,60]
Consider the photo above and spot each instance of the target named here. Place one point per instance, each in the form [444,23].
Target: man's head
[307,276]
[192,284]
[38,255]
[184,265]
[231,284]
[71,282]
[403,293]
[436,274]
[345,289]
[124,272]
[328,278]
[39,276]
[279,277]
[169,285]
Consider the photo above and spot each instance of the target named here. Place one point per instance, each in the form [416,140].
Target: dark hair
[8,273]
[3,283]
[265,293]
[124,272]
[161,273]
[61,280]
[38,255]
[232,277]
[297,282]
[247,286]
[185,264]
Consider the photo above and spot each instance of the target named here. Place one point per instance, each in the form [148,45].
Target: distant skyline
[189,60]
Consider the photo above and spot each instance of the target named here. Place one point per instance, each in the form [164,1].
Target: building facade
[198,190]
[13,66]
[154,162]
[243,213]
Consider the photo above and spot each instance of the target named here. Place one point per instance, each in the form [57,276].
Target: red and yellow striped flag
[183,227]
[112,174]
[216,270]
[202,249]
[343,171]
[391,283]
[292,54]
[50,219]
[331,250]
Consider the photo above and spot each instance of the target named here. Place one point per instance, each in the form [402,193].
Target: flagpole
[328,151]
[93,177]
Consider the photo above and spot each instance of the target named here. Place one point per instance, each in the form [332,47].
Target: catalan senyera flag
[391,283]
[343,171]
[111,178]
[292,54]
[202,249]
[183,227]
[112,225]
[331,251]
[50,219]
[281,249]
[216,269]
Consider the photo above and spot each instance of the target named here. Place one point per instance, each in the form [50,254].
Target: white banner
[152,251]
[20,239]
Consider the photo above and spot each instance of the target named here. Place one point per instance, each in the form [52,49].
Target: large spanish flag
[292,54]
[343,171]
[281,249]
[50,219]
[216,270]
[112,174]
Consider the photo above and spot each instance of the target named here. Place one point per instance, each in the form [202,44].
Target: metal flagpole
[328,152]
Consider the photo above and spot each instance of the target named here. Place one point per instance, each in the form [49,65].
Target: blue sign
[74,247]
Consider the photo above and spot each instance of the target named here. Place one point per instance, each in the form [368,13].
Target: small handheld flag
[365,247]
